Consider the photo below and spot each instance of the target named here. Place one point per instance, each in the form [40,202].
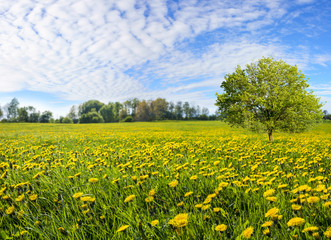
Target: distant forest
[94,111]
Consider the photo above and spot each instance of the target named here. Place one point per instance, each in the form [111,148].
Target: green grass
[134,158]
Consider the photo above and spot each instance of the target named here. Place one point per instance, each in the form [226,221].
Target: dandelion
[188,194]
[294,222]
[173,184]
[327,204]
[313,199]
[149,199]
[195,177]
[266,231]
[33,197]
[272,212]
[152,192]
[327,233]
[10,210]
[87,199]
[205,207]
[221,228]
[93,180]
[77,195]
[269,193]
[310,229]
[20,198]
[154,223]
[181,220]
[180,204]
[247,233]
[296,207]
[129,198]
[267,224]
[272,199]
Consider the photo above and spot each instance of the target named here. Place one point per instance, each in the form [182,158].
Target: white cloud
[82,49]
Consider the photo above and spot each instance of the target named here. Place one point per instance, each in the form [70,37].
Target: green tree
[67,120]
[23,115]
[87,107]
[45,116]
[12,109]
[144,111]
[1,113]
[108,112]
[159,108]
[269,95]
[91,117]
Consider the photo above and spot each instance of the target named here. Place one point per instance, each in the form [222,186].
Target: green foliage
[269,95]
[91,117]
[108,112]
[45,117]
[12,109]
[87,107]
[128,119]
[67,120]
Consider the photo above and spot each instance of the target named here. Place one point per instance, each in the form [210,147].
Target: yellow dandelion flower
[327,233]
[129,198]
[154,223]
[267,224]
[272,199]
[122,228]
[199,205]
[10,210]
[188,194]
[180,204]
[221,228]
[313,199]
[152,192]
[297,221]
[310,229]
[93,180]
[87,199]
[296,207]
[205,207]
[272,212]
[269,193]
[149,199]
[173,184]
[195,177]
[77,195]
[327,204]
[20,198]
[181,220]
[33,197]
[248,232]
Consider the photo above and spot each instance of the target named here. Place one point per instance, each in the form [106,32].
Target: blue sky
[59,53]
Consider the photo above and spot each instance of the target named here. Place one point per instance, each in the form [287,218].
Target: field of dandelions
[163,180]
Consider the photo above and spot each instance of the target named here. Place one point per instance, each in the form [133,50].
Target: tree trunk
[271,138]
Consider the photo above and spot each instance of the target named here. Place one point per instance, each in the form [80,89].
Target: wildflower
[266,231]
[154,223]
[149,199]
[87,199]
[297,221]
[188,194]
[195,177]
[77,195]
[152,192]
[129,198]
[272,212]
[269,193]
[221,228]
[327,204]
[247,233]
[180,204]
[327,233]
[173,184]
[93,180]
[267,224]
[313,199]
[102,217]
[205,207]
[272,199]
[33,197]
[20,198]
[199,205]
[296,207]
[10,210]
[181,220]
[310,229]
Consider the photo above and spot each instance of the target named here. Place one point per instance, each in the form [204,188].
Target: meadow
[163,180]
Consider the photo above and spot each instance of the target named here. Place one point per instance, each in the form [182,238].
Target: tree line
[94,111]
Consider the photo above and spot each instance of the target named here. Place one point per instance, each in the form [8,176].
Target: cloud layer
[114,50]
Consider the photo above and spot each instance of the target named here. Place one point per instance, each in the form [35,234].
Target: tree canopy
[268,95]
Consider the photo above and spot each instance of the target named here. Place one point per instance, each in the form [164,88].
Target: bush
[128,119]
[67,120]
[91,117]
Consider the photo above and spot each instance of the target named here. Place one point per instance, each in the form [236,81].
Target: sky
[59,53]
